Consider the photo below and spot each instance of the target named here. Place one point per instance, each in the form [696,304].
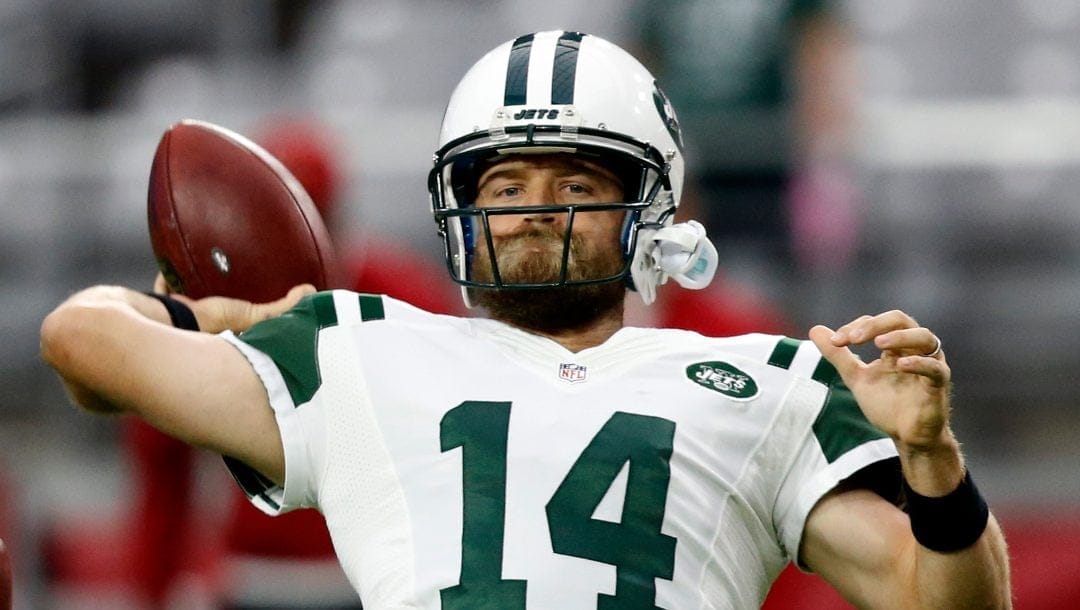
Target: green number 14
[635,545]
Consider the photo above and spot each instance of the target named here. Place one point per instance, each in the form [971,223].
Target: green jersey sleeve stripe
[825,373]
[254,484]
[841,425]
[325,312]
[784,352]
[371,307]
[291,341]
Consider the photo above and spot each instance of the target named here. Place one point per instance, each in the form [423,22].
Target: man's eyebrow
[509,172]
[594,171]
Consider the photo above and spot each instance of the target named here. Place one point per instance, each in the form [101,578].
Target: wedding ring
[937,349]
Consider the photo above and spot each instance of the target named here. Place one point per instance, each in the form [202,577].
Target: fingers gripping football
[216,314]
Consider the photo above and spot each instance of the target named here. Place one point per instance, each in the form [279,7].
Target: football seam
[176,217]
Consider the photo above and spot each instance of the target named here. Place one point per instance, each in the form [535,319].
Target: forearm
[973,577]
[933,470]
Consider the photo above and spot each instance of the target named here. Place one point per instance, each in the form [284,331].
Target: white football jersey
[465,464]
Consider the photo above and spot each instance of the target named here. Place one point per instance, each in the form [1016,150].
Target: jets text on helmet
[526,114]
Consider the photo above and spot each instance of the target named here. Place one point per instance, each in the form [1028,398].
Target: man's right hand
[216,314]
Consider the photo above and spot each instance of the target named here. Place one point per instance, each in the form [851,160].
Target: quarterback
[547,456]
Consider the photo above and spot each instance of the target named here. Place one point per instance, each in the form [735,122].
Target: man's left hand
[904,392]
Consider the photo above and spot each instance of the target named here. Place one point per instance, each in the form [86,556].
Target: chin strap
[681,252]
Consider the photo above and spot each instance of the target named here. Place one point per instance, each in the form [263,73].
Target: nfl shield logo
[572,372]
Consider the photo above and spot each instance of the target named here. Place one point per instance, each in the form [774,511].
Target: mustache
[544,232]
[543,237]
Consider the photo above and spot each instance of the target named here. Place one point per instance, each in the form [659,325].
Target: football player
[548,456]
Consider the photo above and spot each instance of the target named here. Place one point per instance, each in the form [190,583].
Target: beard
[535,256]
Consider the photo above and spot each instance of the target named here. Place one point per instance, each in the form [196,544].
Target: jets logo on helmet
[536,113]
[667,113]
[565,92]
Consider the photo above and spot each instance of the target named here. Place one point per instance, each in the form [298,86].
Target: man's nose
[542,196]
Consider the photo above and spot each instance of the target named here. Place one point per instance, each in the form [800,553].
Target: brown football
[228,219]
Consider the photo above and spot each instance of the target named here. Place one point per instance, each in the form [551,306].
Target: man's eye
[577,188]
[509,191]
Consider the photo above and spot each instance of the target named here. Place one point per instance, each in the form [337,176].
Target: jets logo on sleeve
[724,378]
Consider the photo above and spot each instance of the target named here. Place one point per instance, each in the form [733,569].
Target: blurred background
[853,157]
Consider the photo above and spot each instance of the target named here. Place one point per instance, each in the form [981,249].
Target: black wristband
[180,314]
[949,523]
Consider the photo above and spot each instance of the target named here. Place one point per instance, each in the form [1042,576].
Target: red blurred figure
[5,578]
[724,309]
[303,148]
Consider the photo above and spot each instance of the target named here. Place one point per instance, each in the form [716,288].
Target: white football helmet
[556,92]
